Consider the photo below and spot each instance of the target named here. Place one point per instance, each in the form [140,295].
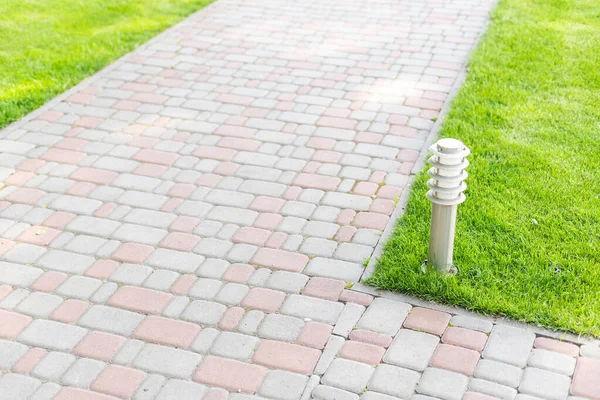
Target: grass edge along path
[528,235]
[48,46]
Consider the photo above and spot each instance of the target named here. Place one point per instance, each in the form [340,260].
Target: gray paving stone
[167,361]
[504,374]
[336,269]
[103,294]
[250,322]
[283,385]
[234,345]
[545,384]
[53,366]
[212,268]
[128,351]
[334,344]
[348,375]
[177,389]
[348,319]
[394,381]
[11,353]
[476,324]
[150,387]
[204,340]
[411,349]
[232,293]
[509,345]
[384,316]
[323,392]
[310,307]
[290,282]
[204,312]
[175,260]
[139,234]
[110,319]
[46,391]
[492,389]
[16,386]
[66,261]
[442,384]
[18,275]
[52,335]
[591,350]
[78,287]
[82,372]
[24,253]
[552,361]
[39,304]
[280,327]
[368,395]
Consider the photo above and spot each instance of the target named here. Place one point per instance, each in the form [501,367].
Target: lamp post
[446,188]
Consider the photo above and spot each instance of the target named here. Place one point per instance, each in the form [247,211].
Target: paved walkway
[188,222]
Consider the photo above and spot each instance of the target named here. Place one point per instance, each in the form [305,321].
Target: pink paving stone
[266,204]
[316,181]
[143,142]
[478,396]
[286,356]
[586,378]
[167,331]
[99,345]
[249,235]
[69,311]
[345,217]
[404,131]
[366,188]
[126,105]
[292,193]
[231,318]
[226,168]
[63,156]
[389,192]
[237,131]
[69,393]
[133,253]
[139,299]
[215,153]
[104,210]
[29,360]
[119,381]
[423,103]
[327,156]
[255,112]
[101,269]
[371,220]
[6,245]
[38,235]
[25,195]
[12,323]
[152,170]
[4,205]
[290,127]
[184,224]
[405,168]
[183,284]
[50,116]
[429,114]
[467,338]
[555,345]
[427,320]
[382,206]
[238,273]
[276,240]
[236,120]
[311,167]
[368,137]
[88,122]
[94,175]
[180,241]
[321,143]
[19,178]
[239,143]
[209,180]
[170,205]
[4,291]
[315,335]
[182,190]
[79,98]
[334,122]
[407,155]
[30,165]
[362,352]
[235,376]
[81,189]
[71,144]
[324,288]
[345,233]
[263,299]
[377,339]
[48,281]
[216,394]
[156,157]
[280,259]
[396,119]
[455,358]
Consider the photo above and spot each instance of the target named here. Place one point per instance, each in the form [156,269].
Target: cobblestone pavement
[185,224]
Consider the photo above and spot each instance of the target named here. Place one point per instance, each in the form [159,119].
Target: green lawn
[47,46]
[528,236]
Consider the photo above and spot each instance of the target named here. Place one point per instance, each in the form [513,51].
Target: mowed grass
[528,236]
[47,46]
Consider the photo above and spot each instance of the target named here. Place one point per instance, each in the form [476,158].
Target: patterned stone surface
[184,224]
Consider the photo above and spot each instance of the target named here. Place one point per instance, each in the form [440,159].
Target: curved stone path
[186,224]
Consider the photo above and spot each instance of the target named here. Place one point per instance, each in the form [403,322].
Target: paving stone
[82,372]
[545,384]
[492,389]
[394,381]
[476,324]
[323,392]
[52,335]
[334,344]
[39,304]
[15,386]
[177,389]
[312,308]
[280,327]
[290,282]
[510,345]
[250,322]
[286,356]
[110,319]
[234,345]
[384,316]
[551,361]
[442,384]
[11,353]
[348,375]
[411,349]
[167,361]
[46,391]
[335,269]
[494,371]
[348,319]
[585,378]
[283,385]
[204,312]
[53,366]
